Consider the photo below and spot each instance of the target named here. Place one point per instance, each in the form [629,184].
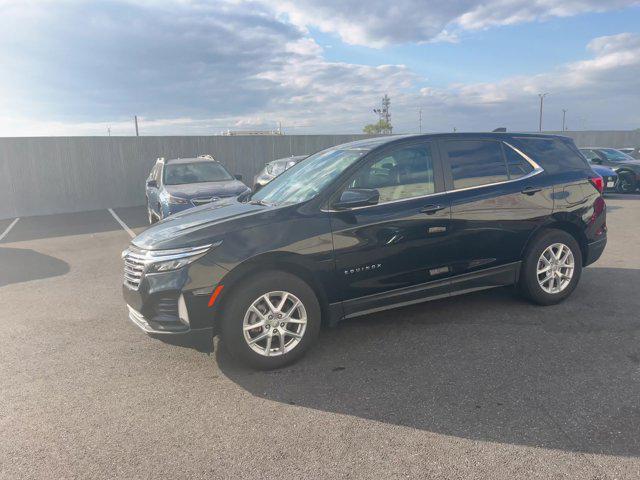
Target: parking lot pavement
[481,386]
[134,217]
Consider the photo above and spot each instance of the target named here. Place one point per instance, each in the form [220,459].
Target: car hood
[207,189]
[201,225]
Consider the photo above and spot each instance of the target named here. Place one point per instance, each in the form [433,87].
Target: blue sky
[75,67]
[492,54]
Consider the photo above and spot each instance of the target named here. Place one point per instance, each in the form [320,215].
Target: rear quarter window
[553,154]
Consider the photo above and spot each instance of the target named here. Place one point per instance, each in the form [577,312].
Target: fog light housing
[183,313]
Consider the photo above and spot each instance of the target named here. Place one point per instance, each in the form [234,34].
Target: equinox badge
[364,268]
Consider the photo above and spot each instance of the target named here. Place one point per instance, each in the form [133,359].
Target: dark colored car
[367,226]
[631,151]
[609,177]
[627,168]
[274,168]
[182,183]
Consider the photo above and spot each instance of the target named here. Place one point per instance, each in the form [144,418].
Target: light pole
[541,95]
[564,115]
[420,120]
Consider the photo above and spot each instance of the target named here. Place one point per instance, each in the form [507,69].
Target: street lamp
[541,95]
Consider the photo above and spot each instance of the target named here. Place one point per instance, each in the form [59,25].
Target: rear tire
[247,307]
[550,259]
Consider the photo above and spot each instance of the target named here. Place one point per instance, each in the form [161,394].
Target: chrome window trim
[524,177]
[537,169]
[525,156]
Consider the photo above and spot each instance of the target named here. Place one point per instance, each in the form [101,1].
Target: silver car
[274,168]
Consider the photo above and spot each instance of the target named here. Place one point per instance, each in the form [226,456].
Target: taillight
[598,183]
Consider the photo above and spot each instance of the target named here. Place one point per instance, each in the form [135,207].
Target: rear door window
[553,154]
[475,162]
[517,165]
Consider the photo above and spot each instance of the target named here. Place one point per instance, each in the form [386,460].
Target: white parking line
[122,224]
[8,229]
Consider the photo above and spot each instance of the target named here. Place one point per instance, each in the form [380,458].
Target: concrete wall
[47,175]
[604,138]
[66,174]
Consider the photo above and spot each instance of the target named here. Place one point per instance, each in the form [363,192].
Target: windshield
[306,179]
[615,155]
[180,173]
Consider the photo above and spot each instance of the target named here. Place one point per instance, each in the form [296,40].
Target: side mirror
[152,183]
[357,197]
[597,161]
[238,177]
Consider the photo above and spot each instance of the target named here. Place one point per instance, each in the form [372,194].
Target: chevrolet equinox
[367,226]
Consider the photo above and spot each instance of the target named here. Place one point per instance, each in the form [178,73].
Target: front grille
[203,200]
[133,270]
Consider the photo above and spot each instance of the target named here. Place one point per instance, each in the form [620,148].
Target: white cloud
[187,67]
[376,23]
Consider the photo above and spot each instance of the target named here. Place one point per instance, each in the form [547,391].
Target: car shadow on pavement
[23,265]
[487,366]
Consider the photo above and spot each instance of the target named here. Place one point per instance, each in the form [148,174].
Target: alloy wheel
[274,324]
[555,268]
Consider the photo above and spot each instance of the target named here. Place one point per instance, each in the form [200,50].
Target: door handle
[531,190]
[431,209]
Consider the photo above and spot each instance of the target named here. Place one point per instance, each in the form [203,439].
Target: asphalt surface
[481,386]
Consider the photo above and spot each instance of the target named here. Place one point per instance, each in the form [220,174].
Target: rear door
[499,196]
[383,251]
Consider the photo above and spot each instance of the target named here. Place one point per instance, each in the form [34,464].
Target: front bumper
[174,302]
[152,327]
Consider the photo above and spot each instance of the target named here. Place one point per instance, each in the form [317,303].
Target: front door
[386,253]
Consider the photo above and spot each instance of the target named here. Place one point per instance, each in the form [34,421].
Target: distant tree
[378,128]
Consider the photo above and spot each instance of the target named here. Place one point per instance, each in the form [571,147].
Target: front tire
[270,320]
[551,268]
[626,183]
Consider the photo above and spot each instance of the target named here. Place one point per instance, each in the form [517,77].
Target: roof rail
[206,156]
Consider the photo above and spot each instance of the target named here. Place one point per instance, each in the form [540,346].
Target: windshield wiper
[259,202]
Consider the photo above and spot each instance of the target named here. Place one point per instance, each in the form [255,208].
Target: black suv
[367,226]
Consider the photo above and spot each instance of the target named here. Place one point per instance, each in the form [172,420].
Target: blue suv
[178,184]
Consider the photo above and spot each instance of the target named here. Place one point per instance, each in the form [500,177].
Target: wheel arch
[563,224]
[276,261]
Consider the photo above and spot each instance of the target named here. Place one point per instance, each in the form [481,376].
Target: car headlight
[167,260]
[171,199]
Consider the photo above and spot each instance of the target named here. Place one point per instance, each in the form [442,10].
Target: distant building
[237,133]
